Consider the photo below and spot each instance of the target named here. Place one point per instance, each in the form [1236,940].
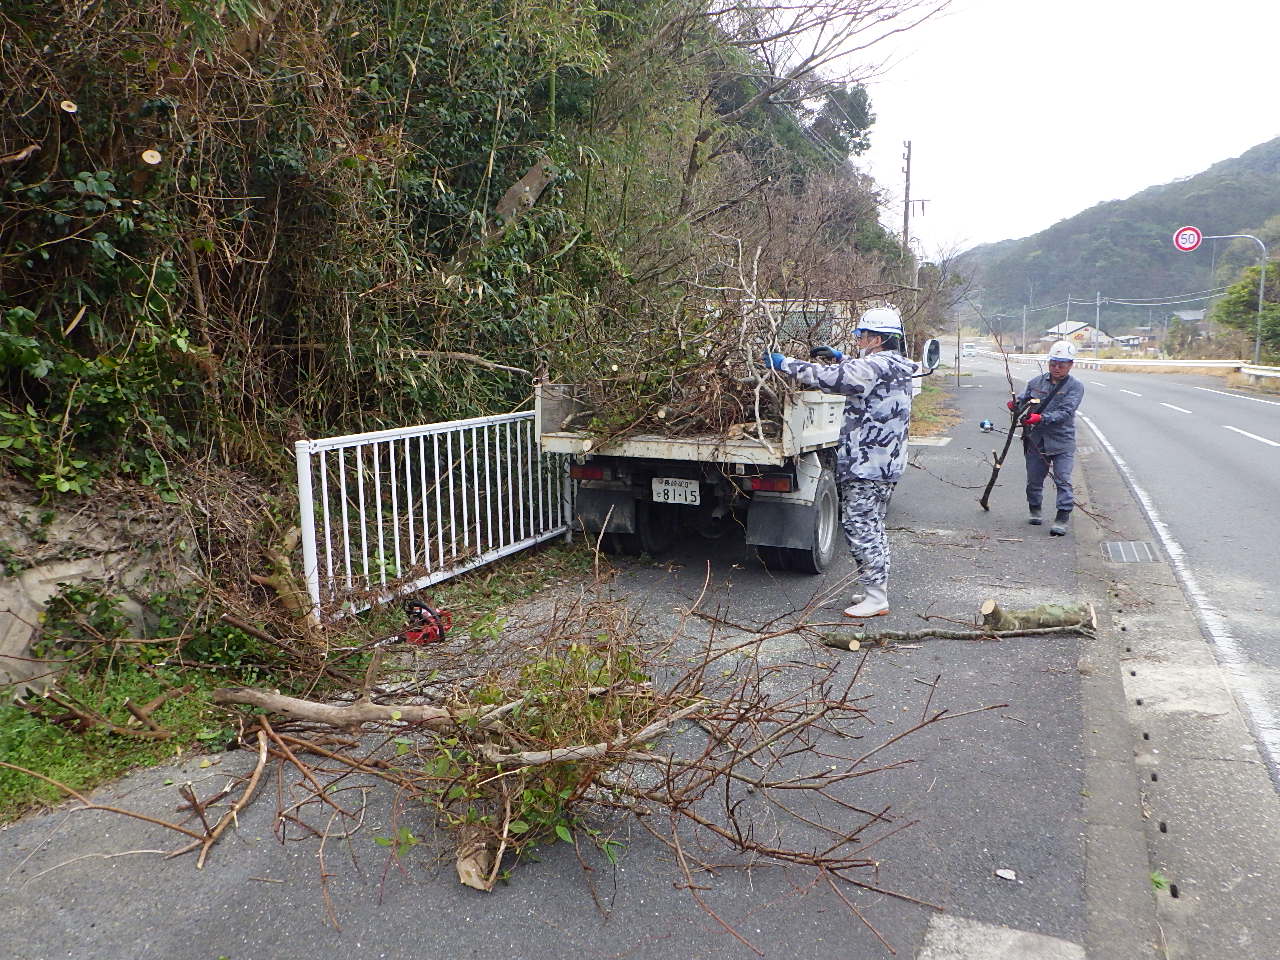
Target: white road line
[1239,396]
[1172,407]
[1265,723]
[1097,383]
[1130,392]
[1251,436]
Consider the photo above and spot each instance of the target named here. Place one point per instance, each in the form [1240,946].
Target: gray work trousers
[1039,466]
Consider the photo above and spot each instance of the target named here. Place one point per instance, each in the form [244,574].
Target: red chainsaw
[427,624]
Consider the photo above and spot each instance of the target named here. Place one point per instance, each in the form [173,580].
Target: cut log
[1046,615]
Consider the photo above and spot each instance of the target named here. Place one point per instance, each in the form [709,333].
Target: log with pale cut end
[841,641]
[847,640]
[1045,615]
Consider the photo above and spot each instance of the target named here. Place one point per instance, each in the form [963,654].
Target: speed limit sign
[1187,239]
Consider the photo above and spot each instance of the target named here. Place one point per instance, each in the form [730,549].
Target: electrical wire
[1170,300]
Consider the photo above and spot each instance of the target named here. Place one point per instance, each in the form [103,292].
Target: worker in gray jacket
[873,440]
[1049,433]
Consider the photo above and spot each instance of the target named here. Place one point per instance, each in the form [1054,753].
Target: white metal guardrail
[1101,363]
[1092,363]
[392,511]
[1248,369]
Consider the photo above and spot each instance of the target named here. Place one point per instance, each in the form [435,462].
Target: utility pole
[957,348]
[1022,345]
[1097,319]
[906,201]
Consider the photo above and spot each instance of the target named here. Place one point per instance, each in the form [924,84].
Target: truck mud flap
[774,523]
[593,507]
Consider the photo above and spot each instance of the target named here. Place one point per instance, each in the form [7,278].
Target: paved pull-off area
[1118,806]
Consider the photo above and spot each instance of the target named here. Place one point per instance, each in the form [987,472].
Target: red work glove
[1010,404]
[1031,418]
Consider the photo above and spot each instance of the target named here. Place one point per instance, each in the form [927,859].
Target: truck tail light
[777,484]
[589,472]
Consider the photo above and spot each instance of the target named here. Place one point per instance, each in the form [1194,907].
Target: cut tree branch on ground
[996,623]
[561,731]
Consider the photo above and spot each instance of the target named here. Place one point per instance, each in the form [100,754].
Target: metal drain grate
[1130,551]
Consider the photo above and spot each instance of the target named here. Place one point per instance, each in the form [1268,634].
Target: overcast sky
[1022,113]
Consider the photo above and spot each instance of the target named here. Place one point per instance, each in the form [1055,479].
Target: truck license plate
[674,490]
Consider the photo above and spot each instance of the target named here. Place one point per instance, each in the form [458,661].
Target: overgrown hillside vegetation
[228,225]
[231,225]
[1123,249]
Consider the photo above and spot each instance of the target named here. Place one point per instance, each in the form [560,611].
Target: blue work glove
[774,360]
[830,354]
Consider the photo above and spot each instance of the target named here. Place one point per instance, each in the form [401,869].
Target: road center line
[1097,383]
[1130,392]
[1239,396]
[1251,436]
[1172,407]
[1265,723]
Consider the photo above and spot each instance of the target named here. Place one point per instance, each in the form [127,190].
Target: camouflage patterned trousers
[863,505]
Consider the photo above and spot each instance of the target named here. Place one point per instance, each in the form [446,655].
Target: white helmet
[884,320]
[1063,350]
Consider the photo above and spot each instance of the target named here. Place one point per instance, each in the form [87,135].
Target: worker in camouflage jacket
[873,440]
[1049,433]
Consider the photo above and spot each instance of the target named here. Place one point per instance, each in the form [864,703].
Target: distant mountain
[1124,248]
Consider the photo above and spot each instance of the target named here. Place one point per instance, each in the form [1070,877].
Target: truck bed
[811,421]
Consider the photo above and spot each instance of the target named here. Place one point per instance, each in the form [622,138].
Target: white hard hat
[884,320]
[1063,350]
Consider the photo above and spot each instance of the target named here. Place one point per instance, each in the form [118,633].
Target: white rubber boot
[875,604]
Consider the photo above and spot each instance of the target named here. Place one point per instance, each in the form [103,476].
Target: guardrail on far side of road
[1250,370]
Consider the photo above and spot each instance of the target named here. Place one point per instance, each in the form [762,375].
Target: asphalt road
[1205,458]
[1044,789]
[1000,790]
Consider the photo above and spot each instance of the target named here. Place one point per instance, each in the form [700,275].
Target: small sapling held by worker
[873,439]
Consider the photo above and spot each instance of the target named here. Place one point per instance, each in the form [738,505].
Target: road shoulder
[1158,703]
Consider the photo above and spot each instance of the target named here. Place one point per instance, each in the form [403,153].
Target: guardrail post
[307,520]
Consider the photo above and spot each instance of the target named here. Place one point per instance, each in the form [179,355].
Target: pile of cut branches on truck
[698,374]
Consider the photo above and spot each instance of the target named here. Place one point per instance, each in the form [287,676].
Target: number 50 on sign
[1187,239]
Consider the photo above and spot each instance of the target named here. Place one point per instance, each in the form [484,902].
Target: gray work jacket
[1056,431]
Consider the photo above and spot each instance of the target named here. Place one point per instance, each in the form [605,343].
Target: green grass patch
[931,413]
[84,625]
[84,758]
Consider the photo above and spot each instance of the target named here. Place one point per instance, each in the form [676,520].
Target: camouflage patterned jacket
[873,439]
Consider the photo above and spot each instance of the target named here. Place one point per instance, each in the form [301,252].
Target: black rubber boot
[1059,528]
[1035,519]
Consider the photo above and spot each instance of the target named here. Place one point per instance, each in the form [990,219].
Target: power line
[1135,301]
[1161,303]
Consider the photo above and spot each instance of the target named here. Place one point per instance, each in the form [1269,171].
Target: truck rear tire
[659,524]
[826,529]
[656,528]
[621,544]
[775,558]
